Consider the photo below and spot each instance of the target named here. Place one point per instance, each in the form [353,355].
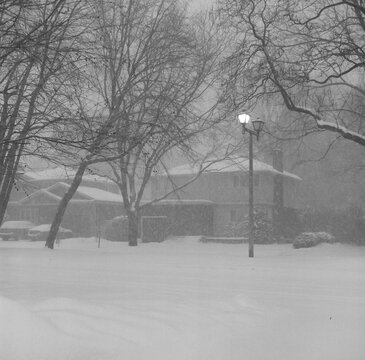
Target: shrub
[236,229]
[347,225]
[310,239]
[325,237]
[263,229]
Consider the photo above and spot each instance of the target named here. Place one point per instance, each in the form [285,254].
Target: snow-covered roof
[17,224]
[184,202]
[99,194]
[228,165]
[83,193]
[45,228]
[60,173]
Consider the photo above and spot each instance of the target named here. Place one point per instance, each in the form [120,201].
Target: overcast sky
[196,4]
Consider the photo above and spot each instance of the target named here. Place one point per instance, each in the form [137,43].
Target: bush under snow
[309,239]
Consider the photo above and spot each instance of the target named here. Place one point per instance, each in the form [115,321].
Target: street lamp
[253,128]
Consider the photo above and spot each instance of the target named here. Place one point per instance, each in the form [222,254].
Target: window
[243,180]
[235,180]
[233,216]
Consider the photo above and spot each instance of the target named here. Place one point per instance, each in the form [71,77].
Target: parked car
[40,232]
[14,230]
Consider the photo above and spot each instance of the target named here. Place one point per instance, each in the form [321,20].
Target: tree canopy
[148,75]
[311,53]
[39,46]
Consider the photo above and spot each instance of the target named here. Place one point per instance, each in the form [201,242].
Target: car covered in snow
[15,230]
[40,232]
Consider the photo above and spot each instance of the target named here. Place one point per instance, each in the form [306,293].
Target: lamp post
[253,128]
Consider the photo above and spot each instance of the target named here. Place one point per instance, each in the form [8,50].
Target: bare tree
[157,71]
[39,47]
[88,139]
[311,53]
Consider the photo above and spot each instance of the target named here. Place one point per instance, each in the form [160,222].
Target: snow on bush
[309,239]
[263,228]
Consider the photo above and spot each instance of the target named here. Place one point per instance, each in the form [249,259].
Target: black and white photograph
[182,179]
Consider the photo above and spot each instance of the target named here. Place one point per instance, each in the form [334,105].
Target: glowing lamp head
[244,119]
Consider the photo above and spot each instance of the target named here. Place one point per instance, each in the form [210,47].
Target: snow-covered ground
[180,299]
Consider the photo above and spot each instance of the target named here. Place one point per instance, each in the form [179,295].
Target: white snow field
[182,300]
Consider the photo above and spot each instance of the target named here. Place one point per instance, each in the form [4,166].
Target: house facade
[95,200]
[208,205]
[223,187]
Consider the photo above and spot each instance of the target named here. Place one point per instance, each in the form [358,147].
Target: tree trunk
[5,191]
[8,180]
[133,220]
[63,205]
[278,193]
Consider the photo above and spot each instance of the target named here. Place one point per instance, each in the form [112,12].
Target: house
[95,200]
[32,181]
[85,213]
[215,200]
[219,196]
